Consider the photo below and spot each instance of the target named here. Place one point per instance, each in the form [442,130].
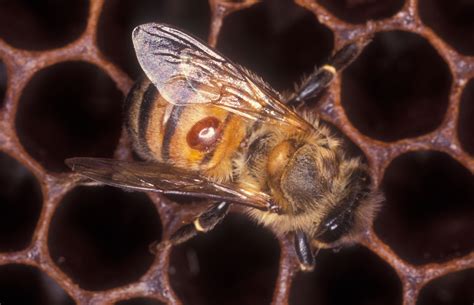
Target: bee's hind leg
[321,78]
[205,222]
[304,251]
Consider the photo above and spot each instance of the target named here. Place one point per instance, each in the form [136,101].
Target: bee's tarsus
[346,55]
[321,78]
[183,234]
[211,217]
[304,251]
[203,223]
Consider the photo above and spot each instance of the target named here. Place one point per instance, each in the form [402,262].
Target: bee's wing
[185,71]
[165,179]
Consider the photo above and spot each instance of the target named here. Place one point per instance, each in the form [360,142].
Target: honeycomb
[406,105]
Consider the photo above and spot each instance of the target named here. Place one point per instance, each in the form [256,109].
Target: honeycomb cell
[42,24]
[397,88]
[121,16]
[278,40]
[428,213]
[466,118]
[453,21]
[101,236]
[20,204]
[454,288]
[3,82]
[20,284]
[68,110]
[361,11]
[140,301]
[236,263]
[351,276]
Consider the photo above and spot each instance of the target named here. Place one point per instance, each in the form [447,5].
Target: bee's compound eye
[204,134]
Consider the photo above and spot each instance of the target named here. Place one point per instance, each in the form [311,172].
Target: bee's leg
[205,222]
[322,77]
[304,251]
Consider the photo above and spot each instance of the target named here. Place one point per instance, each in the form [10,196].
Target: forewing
[166,179]
[185,71]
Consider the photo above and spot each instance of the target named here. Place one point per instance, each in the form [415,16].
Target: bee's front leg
[205,222]
[304,251]
[321,78]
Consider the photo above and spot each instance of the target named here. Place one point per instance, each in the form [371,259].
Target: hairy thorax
[307,175]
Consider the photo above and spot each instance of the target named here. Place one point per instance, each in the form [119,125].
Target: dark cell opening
[353,275]
[278,40]
[121,16]
[20,204]
[20,284]
[140,301]
[186,200]
[397,88]
[42,24]
[69,110]
[428,213]
[101,236]
[361,11]
[454,288]
[3,82]
[453,21]
[236,263]
[466,118]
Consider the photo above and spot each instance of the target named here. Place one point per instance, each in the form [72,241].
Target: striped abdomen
[195,137]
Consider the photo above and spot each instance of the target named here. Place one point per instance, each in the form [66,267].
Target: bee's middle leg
[321,78]
[205,222]
[304,252]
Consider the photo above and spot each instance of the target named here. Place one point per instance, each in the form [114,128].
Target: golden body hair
[254,156]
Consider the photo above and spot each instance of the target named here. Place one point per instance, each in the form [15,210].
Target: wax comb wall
[407,103]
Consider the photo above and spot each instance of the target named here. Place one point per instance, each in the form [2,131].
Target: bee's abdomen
[136,110]
[192,136]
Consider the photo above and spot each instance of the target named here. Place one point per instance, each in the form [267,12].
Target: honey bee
[209,128]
